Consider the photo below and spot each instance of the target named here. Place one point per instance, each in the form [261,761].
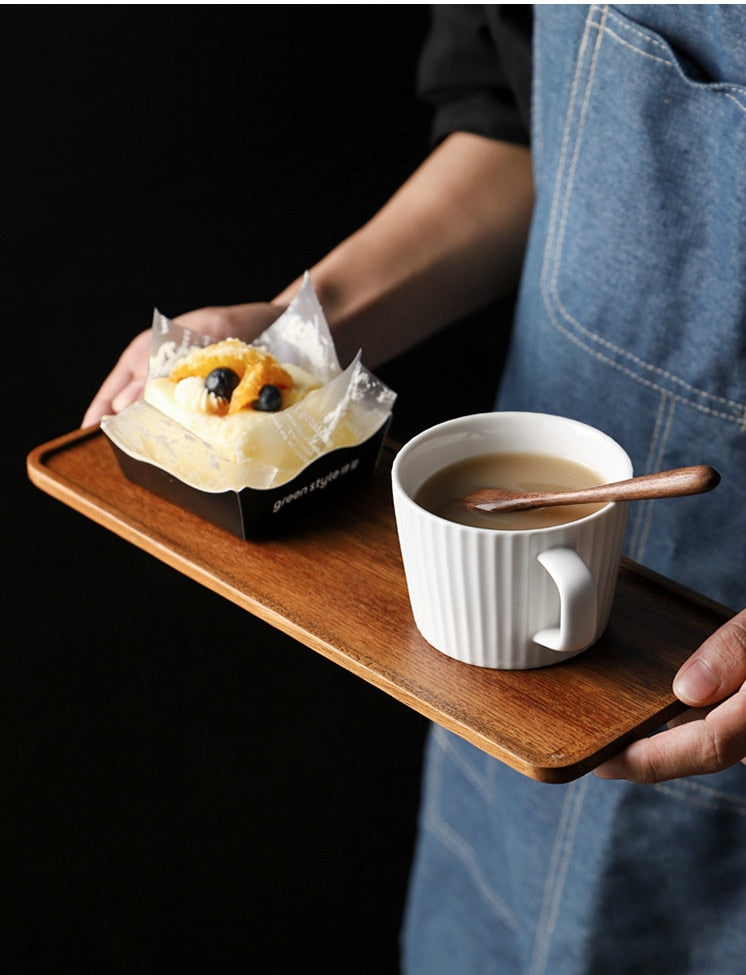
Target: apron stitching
[699,795]
[736,101]
[570,167]
[480,781]
[637,50]
[555,239]
[655,41]
[662,373]
[653,450]
[558,191]
[464,853]
[728,90]
[436,823]
[636,521]
[647,508]
[559,864]
[737,415]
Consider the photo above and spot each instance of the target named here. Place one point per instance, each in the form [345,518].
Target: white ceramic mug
[509,599]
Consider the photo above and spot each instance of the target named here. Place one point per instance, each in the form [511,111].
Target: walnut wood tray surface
[337,586]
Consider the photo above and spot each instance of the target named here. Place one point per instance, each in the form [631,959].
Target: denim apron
[631,317]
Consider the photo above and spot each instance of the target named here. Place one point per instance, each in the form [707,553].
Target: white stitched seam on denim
[559,864]
[655,462]
[637,515]
[727,89]
[696,794]
[479,780]
[714,88]
[458,846]
[578,128]
[737,413]
[657,441]
[553,253]
[732,97]
[554,224]
[637,50]
[465,854]
[613,15]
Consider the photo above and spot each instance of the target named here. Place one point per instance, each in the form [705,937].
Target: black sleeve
[475,70]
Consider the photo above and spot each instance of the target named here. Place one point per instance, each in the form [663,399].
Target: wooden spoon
[666,484]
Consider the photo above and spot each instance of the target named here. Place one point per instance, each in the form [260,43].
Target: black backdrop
[185,788]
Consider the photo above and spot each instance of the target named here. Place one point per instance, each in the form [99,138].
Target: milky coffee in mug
[521,595]
[527,473]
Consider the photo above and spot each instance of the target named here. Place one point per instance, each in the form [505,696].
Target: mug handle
[577,592]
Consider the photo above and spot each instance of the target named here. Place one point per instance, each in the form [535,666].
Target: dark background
[186,788]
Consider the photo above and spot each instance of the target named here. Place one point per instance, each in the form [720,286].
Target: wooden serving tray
[337,586]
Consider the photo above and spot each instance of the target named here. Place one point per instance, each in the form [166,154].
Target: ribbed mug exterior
[480,595]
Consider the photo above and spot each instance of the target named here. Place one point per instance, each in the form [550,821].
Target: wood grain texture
[665,484]
[337,586]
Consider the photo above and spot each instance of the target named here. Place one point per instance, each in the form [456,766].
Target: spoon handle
[666,484]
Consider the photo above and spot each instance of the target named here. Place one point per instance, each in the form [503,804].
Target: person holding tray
[594,155]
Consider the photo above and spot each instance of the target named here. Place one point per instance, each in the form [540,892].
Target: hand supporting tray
[337,586]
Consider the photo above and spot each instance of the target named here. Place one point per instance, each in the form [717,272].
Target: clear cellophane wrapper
[346,408]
